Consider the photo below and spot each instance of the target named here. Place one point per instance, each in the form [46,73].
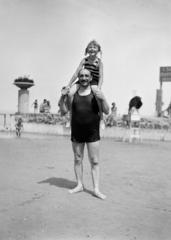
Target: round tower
[23,93]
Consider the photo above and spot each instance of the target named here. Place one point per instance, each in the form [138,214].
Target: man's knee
[78,159]
[94,161]
[95,164]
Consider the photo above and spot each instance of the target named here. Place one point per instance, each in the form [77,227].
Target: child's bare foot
[100,195]
[78,188]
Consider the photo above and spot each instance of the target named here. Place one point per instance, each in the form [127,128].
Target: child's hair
[135,102]
[93,42]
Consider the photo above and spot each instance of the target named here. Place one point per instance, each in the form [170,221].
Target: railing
[7,121]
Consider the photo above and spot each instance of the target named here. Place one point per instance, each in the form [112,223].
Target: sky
[46,40]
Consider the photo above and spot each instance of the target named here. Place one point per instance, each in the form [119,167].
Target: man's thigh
[78,149]
[93,151]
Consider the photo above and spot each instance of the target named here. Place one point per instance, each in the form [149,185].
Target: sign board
[165,74]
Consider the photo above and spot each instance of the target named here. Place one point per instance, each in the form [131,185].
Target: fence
[7,121]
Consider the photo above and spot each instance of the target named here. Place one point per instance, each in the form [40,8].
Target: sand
[36,173]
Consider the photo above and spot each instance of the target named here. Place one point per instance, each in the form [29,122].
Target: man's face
[84,77]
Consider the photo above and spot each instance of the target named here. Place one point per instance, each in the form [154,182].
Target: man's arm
[105,106]
[101,98]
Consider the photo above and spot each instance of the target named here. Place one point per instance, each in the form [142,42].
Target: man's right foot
[100,195]
[77,189]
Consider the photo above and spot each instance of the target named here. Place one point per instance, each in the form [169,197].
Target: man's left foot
[100,195]
[77,189]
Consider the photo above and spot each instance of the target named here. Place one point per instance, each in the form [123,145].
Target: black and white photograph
[85,119]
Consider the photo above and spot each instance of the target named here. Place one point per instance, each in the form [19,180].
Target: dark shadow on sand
[59,182]
[63,183]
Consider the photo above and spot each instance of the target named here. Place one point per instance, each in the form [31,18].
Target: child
[93,63]
[19,126]
[133,111]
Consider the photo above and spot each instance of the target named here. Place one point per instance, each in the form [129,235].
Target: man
[86,107]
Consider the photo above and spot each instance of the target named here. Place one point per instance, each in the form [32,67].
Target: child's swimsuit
[94,69]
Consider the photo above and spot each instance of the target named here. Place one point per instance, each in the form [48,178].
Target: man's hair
[82,70]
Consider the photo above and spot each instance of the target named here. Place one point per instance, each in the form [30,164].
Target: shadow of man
[62,183]
[59,182]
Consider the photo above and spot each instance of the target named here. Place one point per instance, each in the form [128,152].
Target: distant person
[19,126]
[35,105]
[48,106]
[114,109]
[111,119]
[85,106]
[135,102]
[168,109]
[133,111]
[43,106]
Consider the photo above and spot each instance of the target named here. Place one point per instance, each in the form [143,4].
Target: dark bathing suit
[85,119]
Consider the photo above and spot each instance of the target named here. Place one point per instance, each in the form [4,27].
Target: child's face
[92,49]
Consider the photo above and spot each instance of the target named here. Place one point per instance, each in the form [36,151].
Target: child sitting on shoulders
[93,63]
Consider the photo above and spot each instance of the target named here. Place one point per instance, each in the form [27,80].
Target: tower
[23,93]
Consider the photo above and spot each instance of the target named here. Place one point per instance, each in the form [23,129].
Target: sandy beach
[36,172]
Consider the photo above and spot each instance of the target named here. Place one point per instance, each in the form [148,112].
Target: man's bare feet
[98,194]
[78,188]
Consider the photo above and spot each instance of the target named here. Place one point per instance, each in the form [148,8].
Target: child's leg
[94,87]
[74,88]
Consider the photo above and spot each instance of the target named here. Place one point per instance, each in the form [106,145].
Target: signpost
[165,76]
